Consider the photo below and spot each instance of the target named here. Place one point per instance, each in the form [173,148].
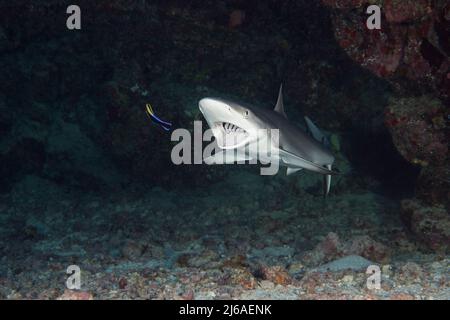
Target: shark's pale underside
[239,126]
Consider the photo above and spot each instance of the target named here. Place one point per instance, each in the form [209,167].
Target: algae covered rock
[433,186]
[411,46]
[418,129]
[430,224]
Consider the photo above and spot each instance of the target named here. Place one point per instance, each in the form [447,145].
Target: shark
[242,127]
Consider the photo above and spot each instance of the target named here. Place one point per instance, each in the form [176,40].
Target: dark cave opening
[374,155]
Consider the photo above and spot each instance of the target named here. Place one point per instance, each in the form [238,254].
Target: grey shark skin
[296,149]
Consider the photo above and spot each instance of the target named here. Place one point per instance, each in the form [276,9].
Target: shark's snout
[226,122]
[212,105]
[202,104]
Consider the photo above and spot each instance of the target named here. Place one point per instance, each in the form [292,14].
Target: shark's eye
[246,114]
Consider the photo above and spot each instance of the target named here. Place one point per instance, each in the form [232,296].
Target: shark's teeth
[230,128]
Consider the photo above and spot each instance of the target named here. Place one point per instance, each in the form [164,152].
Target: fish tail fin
[164,124]
[149,109]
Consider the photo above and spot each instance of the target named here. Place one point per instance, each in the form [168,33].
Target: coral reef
[332,248]
[433,185]
[410,51]
[412,43]
[430,224]
[419,129]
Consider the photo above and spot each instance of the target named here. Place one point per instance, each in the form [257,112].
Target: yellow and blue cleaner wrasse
[165,125]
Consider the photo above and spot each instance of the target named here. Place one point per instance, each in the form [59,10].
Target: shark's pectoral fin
[292,160]
[316,133]
[292,170]
[227,156]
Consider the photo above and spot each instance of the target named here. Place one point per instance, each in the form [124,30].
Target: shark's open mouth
[229,135]
[230,128]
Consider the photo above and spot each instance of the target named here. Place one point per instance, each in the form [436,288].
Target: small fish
[165,125]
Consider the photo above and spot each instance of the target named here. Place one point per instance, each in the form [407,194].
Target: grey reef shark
[244,129]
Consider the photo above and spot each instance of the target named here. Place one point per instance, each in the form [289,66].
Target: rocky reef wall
[411,51]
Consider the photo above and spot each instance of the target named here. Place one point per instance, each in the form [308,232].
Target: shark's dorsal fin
[279,107]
